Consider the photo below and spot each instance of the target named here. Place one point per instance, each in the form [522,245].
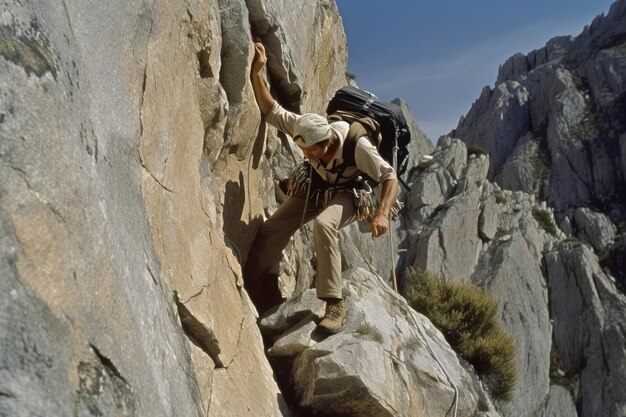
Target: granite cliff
[135,171]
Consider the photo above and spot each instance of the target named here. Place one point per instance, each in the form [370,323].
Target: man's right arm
[264,99]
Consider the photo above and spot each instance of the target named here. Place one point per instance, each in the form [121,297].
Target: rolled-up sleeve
[369,161]
[282,119]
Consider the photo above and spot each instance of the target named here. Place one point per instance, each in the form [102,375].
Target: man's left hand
[379,224]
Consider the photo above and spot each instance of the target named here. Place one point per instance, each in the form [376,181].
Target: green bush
[545,220]
[466,315]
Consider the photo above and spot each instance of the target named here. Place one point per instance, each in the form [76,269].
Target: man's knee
[324,225]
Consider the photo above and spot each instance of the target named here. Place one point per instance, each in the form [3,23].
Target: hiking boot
[334,318]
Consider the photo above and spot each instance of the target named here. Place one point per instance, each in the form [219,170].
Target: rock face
[589,339]
[420,144]
[132,180]
[464,228]
[135,172]
[554,124]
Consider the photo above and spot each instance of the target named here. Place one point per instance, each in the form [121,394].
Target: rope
[306,200]
[391,246]
[393,266]
[455,404]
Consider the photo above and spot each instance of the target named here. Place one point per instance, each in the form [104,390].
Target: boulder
[595,228]
[387,361]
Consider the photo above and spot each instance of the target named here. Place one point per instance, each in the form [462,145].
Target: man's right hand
[260,58]
[264,99]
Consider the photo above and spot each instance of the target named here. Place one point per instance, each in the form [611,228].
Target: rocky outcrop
[463,227]
[589,315]
[595,229]
[388,360]
[554,126]
[420,144]
[554,122]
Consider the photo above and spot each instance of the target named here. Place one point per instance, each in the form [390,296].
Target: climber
[321,143]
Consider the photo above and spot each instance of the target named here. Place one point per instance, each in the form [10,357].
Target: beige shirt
[366,156]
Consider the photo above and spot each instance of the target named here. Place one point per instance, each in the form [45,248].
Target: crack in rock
[108,363]
[238,345]
[156,179]
[199,334]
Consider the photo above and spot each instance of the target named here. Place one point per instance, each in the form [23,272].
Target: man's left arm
[369,161]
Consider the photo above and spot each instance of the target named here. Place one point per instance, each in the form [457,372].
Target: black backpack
[387,130]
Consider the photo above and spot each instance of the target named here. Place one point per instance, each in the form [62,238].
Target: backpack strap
[355,132]
[359,126]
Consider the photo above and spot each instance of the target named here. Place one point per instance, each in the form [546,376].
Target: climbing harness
[320,193]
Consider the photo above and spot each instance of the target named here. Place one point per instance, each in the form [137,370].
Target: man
[322,144]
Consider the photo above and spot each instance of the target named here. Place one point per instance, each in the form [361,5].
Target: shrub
[545,220]
[500,198]
[367,329]
[466,315]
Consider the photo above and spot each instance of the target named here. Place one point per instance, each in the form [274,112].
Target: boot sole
[331,331]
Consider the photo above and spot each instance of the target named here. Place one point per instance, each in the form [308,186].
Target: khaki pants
[275,233]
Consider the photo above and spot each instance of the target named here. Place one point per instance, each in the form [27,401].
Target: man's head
[311,129]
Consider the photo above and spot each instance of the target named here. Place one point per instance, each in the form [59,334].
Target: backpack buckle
[369,102]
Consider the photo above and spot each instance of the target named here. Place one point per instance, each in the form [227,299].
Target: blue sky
[438,55]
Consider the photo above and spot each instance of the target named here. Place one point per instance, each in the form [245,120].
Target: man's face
[316,151]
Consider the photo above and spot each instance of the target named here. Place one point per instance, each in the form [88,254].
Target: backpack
[383,123]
